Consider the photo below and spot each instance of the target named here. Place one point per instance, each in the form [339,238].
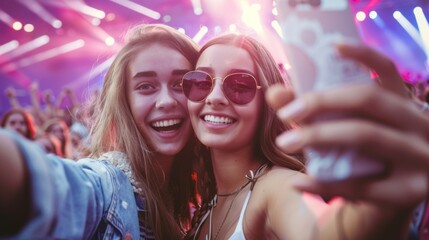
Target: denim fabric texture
[88,199]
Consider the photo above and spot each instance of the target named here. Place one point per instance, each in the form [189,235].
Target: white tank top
[238,233]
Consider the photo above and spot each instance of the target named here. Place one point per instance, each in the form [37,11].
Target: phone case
[311,29]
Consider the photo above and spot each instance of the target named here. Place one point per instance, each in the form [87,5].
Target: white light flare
[85,9]
[423,26]
[41,12]
[409,28]
[200,34]
[196,5]
[373,14]
[251,16]
[6,18]
[9,46]
[45,55]
[275,24]
[138,8]
[29,46]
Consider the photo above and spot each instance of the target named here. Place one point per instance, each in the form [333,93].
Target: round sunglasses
[239,88]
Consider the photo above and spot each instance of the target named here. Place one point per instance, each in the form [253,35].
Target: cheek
[182,101]
[194,109]
[254,112]
[139,107]
[139,113]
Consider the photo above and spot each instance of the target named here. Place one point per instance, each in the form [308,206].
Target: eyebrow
[234,70]
[144,74]
[176,72]
[179,72]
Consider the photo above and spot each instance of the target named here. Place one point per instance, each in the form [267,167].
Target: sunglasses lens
[196,85]
[240,88]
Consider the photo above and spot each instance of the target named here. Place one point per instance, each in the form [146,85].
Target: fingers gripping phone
[311,29]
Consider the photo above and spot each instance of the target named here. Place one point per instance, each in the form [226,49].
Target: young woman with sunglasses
[139,183]
[246,180]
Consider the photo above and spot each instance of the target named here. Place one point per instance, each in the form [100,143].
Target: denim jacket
[88,199]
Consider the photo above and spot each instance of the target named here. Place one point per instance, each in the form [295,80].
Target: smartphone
[311,29]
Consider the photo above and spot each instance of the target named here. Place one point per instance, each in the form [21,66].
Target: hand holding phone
[311,31]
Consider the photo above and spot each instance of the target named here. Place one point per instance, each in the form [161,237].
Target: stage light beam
[196,5]
[9,46]
[41,12]
[275,24]
[409,28]
[29,46]
[200,34]
[423,26]
[44,55]
[138,8]
[7,19]
[85,9]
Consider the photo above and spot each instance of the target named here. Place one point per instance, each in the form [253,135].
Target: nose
[165,99]
[216,96]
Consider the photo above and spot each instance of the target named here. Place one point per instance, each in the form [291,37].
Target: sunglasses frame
[258,87]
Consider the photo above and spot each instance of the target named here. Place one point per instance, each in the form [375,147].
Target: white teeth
[166,123]
[217,119]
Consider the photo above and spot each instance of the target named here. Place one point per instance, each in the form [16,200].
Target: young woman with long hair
[138,182]
[246,180]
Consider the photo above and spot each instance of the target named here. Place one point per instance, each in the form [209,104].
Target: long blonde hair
[115,130]
[270,126]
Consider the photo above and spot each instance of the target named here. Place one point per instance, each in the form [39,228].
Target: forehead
[16,116]
[157,57]
[222,57]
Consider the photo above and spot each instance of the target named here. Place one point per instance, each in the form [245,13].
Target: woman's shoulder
[277,174]
[277,181]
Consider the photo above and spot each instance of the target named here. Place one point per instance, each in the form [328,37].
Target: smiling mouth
[218,120]
[167,125]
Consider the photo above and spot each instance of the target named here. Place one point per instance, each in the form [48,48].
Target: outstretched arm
[51,110]
[383,124]
[34,91]
[14,189]
[11,95]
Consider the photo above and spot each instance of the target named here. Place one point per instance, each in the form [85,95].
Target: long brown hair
[270,126]
[115,130]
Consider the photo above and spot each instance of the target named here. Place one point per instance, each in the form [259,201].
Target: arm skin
[51,110]
[34,88]
[390,129]
[291,214]
[11,95]
[14,188]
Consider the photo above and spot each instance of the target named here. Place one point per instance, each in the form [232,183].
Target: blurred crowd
[60,129]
